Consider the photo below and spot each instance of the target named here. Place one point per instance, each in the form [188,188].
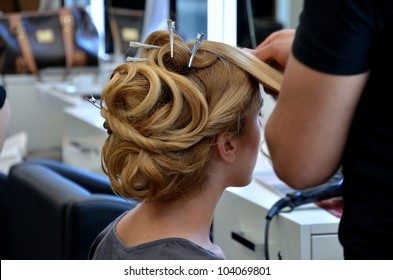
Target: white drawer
[326,247]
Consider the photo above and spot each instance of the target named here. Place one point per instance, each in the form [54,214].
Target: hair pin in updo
[135,59]
[198,41]
[143,46]
[171,27]
[93,101]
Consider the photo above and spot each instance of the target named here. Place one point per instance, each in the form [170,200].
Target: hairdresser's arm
[307,130]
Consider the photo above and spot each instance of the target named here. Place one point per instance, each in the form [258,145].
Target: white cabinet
[83,137]
[308,232]
[81,129]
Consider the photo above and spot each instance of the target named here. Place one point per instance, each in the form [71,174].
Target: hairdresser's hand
[276,48]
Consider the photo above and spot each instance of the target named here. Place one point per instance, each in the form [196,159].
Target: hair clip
[135,59]
[93,101]
[143,46]
[198,41]
[171,27]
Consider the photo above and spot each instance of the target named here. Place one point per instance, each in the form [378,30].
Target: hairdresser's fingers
[276,48]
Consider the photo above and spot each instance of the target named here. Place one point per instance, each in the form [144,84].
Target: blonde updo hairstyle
[162,116]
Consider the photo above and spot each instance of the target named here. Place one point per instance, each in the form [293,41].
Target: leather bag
[31,41]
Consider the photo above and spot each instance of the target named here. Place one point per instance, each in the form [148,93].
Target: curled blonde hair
[162,116]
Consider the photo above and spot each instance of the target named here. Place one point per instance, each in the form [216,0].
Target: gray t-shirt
[108,246]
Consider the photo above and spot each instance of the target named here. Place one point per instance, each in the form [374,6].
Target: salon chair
[55,211]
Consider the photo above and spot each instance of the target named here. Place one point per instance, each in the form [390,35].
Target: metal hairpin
[171,27]
[143,46]
[135,59]
[198,41]
[93,101]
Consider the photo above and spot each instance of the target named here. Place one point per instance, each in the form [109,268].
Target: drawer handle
[239,237]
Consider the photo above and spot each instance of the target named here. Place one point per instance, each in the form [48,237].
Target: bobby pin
[196,46]
[93,101]
[135,59]
[143,46]
[171,27]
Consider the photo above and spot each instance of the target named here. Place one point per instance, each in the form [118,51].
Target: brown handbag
[30,41]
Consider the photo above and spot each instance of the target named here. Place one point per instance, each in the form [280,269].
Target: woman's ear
[226,145]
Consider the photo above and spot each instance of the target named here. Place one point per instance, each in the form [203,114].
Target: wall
[287,12]
[42,122]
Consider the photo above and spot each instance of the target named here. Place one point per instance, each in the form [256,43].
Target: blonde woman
[178,136]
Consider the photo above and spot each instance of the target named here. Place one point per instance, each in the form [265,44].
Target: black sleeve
[336,36]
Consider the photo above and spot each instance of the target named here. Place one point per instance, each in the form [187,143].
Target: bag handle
[16,25]
[67,23]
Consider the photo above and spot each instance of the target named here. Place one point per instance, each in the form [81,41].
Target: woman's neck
[191,215]
[189,218]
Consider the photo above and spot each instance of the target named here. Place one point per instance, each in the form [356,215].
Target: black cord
[274,210]
[251,26]
[330,189]
[267,226]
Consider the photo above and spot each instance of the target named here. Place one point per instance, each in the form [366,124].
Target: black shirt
[347,37]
